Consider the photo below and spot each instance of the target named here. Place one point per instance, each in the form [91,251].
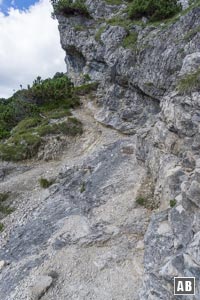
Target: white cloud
[29,46]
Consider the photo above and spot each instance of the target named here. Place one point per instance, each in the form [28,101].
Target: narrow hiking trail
[26,191]
[89,215]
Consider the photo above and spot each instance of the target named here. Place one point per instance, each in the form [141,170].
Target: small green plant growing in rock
[1,227]
[114,2]
[79,27]
[141,201]
[3,197]
[82,190]
[172,203]
[99,33]
[86,77]
[6,210]
[190,83]
[45,183]
[130,40]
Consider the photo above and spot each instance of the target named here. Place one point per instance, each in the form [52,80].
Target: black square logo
[184,286]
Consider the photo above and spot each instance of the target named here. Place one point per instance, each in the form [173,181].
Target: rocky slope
[87,237]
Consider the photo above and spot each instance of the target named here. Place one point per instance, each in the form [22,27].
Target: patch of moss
[190,83]
[130,40]
[79,27]
[99,33]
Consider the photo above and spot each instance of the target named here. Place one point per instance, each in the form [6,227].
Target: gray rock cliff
[88,236]
[138,94]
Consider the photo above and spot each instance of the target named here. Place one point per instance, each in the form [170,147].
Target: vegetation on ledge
[70,7]
[33,113]
[154,10]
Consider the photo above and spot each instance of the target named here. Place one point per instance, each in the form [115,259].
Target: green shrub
[154,10]
[70,7]
[12,113]
[41,97]
[45,183]
[172,203]
[26,117]
[1,227]
[50,90]
[190,83]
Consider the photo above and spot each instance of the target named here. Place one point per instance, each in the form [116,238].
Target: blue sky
[29,44]
[21,4]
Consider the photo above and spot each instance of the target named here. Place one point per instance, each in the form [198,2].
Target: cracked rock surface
[89,232]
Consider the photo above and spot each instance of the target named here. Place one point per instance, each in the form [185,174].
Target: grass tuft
[141,201]
[45,183]
[1,227]
[130,40]
[190,83]
[172,203]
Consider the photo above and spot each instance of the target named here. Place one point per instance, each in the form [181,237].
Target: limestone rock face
[123,217]
[139,94]
[40,286]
